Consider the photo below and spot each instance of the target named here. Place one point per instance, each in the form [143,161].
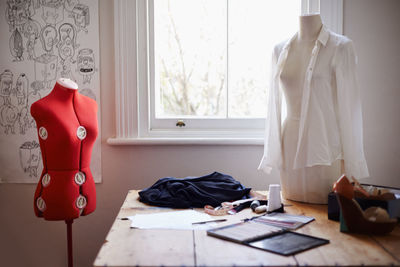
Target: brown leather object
[357,223]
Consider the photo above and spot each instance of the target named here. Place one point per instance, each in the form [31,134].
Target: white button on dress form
[41,205]
[43,133]
[81,132]
[81,202]
[80,178]
[46,180]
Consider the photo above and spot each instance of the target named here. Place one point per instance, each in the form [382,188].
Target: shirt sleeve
[272,157]
[349,111]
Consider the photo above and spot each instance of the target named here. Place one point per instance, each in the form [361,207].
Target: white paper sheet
[178,220]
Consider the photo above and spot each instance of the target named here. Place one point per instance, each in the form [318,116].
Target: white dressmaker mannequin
[308,184]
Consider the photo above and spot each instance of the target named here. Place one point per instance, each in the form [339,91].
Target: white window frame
[132,82]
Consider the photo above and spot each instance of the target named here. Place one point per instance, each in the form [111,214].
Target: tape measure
[220,210]
[228,207]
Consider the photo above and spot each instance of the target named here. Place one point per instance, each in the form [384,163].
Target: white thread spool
[274,197]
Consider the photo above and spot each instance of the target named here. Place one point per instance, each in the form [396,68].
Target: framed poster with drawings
[41,41]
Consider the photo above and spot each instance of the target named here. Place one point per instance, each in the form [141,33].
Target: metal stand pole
[69,239]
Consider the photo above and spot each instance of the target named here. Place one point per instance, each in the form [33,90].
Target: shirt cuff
[264,166]
[358,169]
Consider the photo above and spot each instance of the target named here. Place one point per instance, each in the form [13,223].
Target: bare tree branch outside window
[212,57]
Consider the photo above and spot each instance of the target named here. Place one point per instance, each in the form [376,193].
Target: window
[211,60]
[199,63]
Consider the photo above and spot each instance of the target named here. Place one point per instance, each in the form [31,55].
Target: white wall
[28,241]
[375,28]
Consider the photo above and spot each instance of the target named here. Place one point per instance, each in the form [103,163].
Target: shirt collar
[323,37]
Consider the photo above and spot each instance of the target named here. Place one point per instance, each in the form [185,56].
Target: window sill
[184,141]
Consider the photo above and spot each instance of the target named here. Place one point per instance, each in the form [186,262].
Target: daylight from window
[212,57]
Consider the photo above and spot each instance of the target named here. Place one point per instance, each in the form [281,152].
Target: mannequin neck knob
[67,83]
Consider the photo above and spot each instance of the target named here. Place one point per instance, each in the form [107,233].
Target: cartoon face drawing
[35,155]
[52,11]
[36,87]
[31,31]
[29,155]
[66,46]
[33,96]
[46,69]
[18,12]
[31,27]
[48,38]
[70,4]
[80,13]
[66,70]
[21,88]
[8,117]
[6,80]
[23,119]
[16,46]
[86,65]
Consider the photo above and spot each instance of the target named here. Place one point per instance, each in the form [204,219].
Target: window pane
[255,26]
[212,57]
[190,58]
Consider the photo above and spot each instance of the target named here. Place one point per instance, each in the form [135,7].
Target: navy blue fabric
[194,192]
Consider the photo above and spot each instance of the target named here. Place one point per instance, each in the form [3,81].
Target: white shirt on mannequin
[330,117]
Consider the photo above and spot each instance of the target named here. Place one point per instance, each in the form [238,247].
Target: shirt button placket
[310,71]
[311,66]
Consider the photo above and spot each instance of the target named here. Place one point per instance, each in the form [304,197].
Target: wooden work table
[125,246]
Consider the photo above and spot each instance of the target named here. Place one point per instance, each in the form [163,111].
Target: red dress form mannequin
[67,128]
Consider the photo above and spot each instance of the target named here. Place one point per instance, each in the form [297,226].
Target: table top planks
[391,243]
[343,249]
[125,246]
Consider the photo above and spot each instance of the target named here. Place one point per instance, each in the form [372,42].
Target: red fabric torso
[67,129]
